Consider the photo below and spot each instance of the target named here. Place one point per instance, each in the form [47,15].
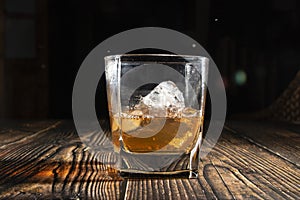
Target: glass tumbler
[156,106]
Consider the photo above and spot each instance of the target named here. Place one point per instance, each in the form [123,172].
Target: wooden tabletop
[46,160]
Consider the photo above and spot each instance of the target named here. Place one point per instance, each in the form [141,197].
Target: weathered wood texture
[282,139]
[46,160]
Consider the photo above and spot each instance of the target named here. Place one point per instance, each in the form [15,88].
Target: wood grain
[281,138]
[245,170]
[234,169]
[47,160]
[53,163]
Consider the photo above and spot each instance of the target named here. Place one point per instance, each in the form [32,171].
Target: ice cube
[190,112]
[164,96]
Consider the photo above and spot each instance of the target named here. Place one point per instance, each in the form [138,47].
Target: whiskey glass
[156,105]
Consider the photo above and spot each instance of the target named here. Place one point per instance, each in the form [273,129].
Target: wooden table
[46,160]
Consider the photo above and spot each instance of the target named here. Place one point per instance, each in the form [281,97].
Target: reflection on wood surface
[47,160]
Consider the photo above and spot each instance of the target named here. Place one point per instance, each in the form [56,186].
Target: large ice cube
[165,95]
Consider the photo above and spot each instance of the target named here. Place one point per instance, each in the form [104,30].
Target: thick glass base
[159,164]
[175,174]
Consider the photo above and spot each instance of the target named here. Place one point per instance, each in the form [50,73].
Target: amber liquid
[144,134]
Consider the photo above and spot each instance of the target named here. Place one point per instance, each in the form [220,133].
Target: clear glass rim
[187,57]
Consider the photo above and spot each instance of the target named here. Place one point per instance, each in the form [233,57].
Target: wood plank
[238,169]
[52,163]
[167,188]
[16,131]
[25,125]
[281,138]
[234,169]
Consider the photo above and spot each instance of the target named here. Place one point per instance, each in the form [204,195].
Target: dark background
[42,44]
